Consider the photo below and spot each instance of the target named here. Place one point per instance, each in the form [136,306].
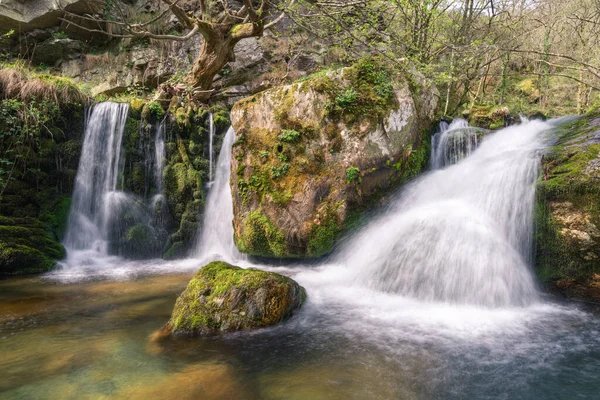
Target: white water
[453,143]
[216,231]
[101,213]
[95,194]
[460,234]
[159,154]
[210,146]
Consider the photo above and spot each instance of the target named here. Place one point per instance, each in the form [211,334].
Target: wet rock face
[568,215]
[225,298]
[311,154]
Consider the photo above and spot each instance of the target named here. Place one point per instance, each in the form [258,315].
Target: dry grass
[18,82]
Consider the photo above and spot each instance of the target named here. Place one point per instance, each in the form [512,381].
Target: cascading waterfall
[211,130]
[95,196]
[105,220]
[216,237]
[159,154]
[453,142]
[461,234]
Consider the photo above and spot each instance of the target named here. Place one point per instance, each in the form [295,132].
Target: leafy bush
[156,109]
[289,136]
[280,170]
[353,175]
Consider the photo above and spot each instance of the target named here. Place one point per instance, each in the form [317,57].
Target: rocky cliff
[568,212]
[311,154]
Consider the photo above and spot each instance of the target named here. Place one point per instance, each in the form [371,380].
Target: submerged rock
[568,212]
[226,298]
[26,247]
[311,154]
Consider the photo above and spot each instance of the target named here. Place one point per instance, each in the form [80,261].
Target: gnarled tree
[222,24]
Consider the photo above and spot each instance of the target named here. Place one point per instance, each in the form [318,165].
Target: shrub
[353,175]
[289,136]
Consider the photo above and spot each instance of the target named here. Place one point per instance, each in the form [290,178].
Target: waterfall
[216,237]
[159,155]
[95,197]
[211,131]
[461,234]
[453,143]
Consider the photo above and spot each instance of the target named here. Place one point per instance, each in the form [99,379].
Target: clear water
[363,334]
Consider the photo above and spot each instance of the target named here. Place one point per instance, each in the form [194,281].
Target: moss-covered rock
[568,212]
[310,153]
[226,298]
[27,247]
[488,117]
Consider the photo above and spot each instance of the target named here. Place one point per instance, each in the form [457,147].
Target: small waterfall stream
[104,219]
[95,195]
[461,234]
[453,142]
[216,231]
[211,132]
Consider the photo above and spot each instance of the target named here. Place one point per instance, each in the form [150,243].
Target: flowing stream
[433,298]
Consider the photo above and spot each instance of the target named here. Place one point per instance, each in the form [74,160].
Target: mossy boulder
[312,153]
[568,212]
[27,246]
[225,298]
[488,117]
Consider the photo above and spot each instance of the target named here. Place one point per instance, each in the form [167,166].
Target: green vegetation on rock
[225,298]
[27,246]
[568,212]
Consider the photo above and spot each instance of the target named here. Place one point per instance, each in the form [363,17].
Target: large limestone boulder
[225,298]
[311,154]
[23,16]
[568,213]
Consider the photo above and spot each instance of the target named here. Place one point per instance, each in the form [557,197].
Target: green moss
[136,106]
[367,92]
[567,202]
[177,250]
[322,237]
[26,246]
[56,214]
[211,301]
[261,237]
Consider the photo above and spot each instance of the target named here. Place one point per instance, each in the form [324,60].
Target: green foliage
[279,171]
[22,127]
[367,92]
[289,136]
[346,99]
[353,175]
[155,109]
[60,35]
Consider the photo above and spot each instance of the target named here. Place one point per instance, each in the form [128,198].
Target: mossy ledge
[225,298]
[310,154]
[26,247]
[568,212]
